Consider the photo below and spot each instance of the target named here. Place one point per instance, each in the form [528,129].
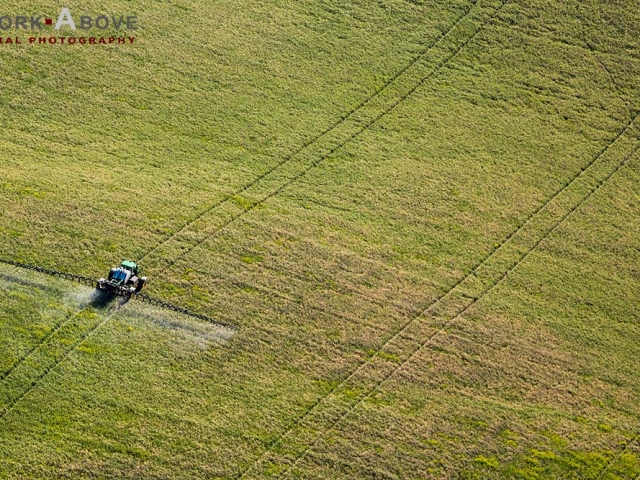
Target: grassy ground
[422,216]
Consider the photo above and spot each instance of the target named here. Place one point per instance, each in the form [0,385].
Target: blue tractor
[124,280]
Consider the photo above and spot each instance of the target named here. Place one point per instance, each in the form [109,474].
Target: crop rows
[363,117]
[488,274]
[50,353]
[28,371]
[347,307]
[440,329]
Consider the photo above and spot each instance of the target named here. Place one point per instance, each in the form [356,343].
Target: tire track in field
[341,121]
[7,373]
[457,284]
[314,163]
[471,278]
[315,139]
[32,384]
[594,51]
[57,327]
[442,330]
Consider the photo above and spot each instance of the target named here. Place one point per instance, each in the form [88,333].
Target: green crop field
[422,216]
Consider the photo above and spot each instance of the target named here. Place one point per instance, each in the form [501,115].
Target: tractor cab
[131,266]
[123,280]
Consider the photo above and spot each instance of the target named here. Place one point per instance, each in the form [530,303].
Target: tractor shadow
[102,300]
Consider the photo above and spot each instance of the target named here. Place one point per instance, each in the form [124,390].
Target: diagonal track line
[579,174]
[319,136]
[5,375]
[594,52]
[8,408]
[488,290]
[451,289]
[368,125]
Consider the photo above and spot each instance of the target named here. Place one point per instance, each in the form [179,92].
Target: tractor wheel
[140,284]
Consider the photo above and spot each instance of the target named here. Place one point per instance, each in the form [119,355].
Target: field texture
[421,215]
